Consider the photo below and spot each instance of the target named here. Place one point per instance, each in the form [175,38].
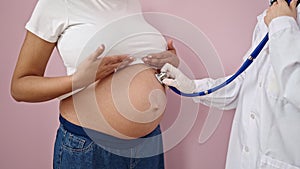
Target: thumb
[171,45]
[97,52]
[293,5]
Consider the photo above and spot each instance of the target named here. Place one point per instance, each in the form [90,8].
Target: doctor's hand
[281,8]
[177,79]
[95,68]
[159,59]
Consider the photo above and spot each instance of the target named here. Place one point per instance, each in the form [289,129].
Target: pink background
[28,130]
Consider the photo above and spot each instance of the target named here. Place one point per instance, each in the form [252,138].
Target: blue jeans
[74,151]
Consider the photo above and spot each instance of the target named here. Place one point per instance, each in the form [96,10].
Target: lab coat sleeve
[285,57]
[225,98]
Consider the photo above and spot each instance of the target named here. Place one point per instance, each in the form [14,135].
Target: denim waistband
[103,139]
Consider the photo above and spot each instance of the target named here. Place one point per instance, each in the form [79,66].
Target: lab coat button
[246,149]
[252,116]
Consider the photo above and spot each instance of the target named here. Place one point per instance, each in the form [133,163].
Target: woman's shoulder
[48,19]
[51,7]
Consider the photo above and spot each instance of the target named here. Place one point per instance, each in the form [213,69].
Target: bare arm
[28,81]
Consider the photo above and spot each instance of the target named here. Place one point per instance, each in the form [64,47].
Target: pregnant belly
[128,104]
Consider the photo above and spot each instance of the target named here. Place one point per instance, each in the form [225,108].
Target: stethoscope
[244,66]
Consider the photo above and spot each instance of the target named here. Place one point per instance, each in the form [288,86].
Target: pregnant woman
[109,98]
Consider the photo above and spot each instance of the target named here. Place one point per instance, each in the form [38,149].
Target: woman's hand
[94,68]
[159,59]
[281,8]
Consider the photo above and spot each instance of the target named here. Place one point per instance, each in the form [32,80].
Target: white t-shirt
[80,26]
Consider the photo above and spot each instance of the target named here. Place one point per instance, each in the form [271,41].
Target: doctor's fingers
[284,10]
[171,71]
[281,2]
[170,82]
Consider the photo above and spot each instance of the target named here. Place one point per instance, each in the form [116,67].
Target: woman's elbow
[16,98]
[17,91]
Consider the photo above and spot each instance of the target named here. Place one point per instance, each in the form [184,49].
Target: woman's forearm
[28,81]
[38,89]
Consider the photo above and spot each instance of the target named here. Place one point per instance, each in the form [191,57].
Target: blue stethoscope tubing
[245,65]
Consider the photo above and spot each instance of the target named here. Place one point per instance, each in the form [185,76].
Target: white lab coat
[266,127]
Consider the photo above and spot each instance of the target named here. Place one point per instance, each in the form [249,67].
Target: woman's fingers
[112,59]
[121,61]
[110,64]
[125,63]
[159,59]
[158,62]
[158,55]
[96,68]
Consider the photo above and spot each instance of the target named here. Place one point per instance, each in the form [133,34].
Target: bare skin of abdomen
[128,104]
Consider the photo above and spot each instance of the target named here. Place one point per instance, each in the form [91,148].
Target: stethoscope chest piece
[161,76]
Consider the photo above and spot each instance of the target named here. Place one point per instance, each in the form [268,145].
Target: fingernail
[145,59]
[149,56]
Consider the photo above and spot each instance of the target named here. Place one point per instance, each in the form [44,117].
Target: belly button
[155,108]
